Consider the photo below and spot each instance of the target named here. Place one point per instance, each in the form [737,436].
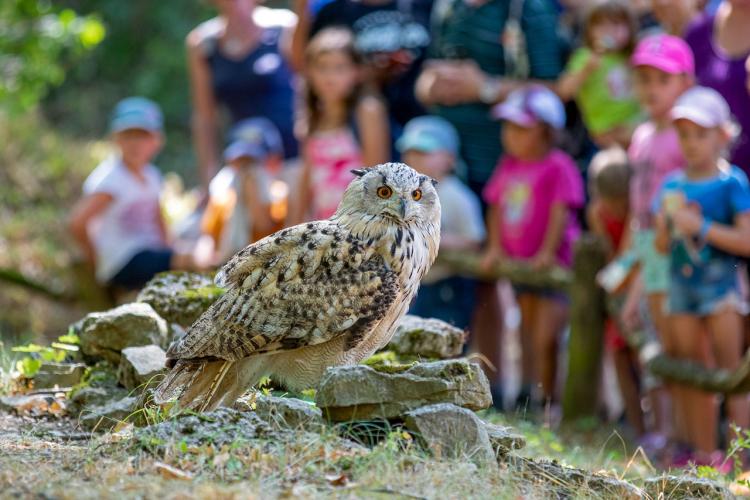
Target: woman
[238,61]
[722,48]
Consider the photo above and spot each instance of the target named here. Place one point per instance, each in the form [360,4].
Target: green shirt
[461,31]
[606,97]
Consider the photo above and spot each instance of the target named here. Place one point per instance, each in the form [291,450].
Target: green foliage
[37,42]
[57,352]
[142,54]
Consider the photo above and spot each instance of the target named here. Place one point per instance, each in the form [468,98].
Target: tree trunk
[587,315]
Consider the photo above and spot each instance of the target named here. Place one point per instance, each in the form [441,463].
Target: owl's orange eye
[385,192]
[416,194]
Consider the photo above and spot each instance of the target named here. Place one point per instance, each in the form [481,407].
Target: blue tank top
[259,84]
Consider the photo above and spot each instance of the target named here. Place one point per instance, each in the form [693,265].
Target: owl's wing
[302,286]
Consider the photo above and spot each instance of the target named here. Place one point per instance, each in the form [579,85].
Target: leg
[727,337]
[527,303]
[696,407]
[486,333]
[551,317]
[625,367]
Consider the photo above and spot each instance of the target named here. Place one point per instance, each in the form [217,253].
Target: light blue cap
[530,105]
[428,134]
[136,112]
[255,137]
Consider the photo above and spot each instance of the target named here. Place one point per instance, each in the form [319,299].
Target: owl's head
[392,194]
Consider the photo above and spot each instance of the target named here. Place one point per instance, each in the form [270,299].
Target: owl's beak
[402,208]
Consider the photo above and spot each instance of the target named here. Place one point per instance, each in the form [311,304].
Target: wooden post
[587,314]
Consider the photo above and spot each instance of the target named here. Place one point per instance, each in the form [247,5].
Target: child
[703,222]
[430,145]
[118,222]
[346,127]
[663,68]
[532,197]
[239,205]
[598,76]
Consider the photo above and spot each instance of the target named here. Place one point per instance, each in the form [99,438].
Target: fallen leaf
[169,472]
[337,479]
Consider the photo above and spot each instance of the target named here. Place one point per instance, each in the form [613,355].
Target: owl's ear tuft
[433,181]
[359,172]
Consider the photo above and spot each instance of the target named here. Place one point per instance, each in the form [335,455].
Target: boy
[430,145]
[118,223]
[239,206]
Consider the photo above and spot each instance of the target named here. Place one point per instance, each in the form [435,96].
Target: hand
[544,259]
[456,82]
[490,258]
[688,220]
[630,315]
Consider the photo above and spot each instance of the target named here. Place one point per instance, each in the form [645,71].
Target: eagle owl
[311,296]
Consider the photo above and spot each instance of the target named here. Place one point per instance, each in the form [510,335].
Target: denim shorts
[703,290]
[654,265]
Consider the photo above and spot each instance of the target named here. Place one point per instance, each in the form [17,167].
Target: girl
[703,223]
[532,196]
[346,127]
[598,76]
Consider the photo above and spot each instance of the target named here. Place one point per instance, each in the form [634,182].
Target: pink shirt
[654,154]
[332,155]
[525,193]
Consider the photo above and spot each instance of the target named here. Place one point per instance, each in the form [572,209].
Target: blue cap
[530,105]
[136,112]
[429,134]
[257,138]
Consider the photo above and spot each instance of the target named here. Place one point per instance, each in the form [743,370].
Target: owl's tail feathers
[195,385]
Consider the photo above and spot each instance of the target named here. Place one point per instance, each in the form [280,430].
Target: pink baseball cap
[664,52]
[530,105]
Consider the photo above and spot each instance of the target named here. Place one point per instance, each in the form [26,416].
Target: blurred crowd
[539,119]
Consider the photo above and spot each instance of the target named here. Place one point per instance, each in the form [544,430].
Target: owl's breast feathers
[304,286]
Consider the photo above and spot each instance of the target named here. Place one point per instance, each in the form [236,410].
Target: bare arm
[162,225]
[204,119]
[570,82]
[86,209]
[374,134]
[732,239]
[258,209]
[300,36]
[661,240]
[555,228]
[301,202]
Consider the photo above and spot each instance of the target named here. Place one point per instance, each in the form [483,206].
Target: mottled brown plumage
[311,296]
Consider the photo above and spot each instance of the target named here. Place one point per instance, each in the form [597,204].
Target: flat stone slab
[104,417]
[447,430]
[140,366]
[106,334]
[58,374]
[670,486]
[283,413]
[428,338]
[504,439]
[362,393]
[180,296]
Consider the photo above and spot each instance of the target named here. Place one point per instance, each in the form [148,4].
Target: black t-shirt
[386,28]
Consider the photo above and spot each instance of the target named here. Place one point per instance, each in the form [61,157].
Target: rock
[106,334]
[667,486]
[223,426]
[362,393]
[450,431]
[562,482]
[179,296]
[139,366]
[283,413]
[428,338]
[58,374]
[33,404]
[78,399]
[504,439]
[104,417]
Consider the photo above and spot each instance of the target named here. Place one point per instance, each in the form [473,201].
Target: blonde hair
[609,174]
